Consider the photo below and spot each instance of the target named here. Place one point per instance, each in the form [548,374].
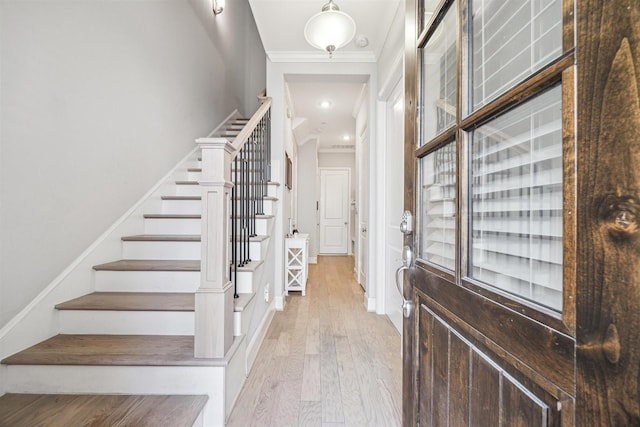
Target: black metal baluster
[247,212]
[233,273]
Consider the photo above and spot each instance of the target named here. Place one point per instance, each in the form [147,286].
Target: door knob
[407,261]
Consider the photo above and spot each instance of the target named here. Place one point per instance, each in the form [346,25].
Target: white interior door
[334,211]
[393,196]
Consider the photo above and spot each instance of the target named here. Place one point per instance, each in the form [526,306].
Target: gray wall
[99,100]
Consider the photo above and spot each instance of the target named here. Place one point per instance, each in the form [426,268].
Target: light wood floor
[325,360]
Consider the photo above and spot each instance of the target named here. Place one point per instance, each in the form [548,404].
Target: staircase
[134,335]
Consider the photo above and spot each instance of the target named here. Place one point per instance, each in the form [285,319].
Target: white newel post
[214,298]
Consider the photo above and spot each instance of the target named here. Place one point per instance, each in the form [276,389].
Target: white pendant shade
[330,30]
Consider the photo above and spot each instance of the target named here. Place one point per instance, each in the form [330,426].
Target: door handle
[407,261]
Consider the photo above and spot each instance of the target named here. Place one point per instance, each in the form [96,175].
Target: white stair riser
[246,280]
[193,176]
[262,226]
[188,190]
[182,207]
[242,318]
[256,250]
[124,380]
[272,190]
[172,226]
[147,281]
[127,322]
[161,250]
[267,207]
[179,250]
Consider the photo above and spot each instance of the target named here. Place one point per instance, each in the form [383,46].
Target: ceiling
[281,27]
[329,125]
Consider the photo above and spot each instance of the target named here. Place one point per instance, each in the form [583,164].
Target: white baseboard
[258,337]
[280,302]
[369,303]
[313,260]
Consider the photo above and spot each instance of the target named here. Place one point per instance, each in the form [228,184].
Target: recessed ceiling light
[346,137]
[325,104]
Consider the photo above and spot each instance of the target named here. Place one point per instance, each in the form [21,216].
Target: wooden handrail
[245,133]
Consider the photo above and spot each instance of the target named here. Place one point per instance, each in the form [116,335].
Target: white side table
[296,262]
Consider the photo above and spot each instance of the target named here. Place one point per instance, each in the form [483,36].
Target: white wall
[99,100]
[308,193]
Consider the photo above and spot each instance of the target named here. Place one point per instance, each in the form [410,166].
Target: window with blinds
[516,206]
[439,78]
[438,101]
[439,206]
[511,40]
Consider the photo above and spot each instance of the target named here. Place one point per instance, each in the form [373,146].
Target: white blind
[439,206]
[510,41]
[516,205]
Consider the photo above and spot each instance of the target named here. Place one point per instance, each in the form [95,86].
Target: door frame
[387,95]
[347,207]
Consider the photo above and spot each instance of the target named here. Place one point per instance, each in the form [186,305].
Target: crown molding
[318,56]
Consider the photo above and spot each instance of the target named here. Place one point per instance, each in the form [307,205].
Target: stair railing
[229,208]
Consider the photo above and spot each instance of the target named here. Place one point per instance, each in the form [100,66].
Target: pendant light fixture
[330,29]
[217,6]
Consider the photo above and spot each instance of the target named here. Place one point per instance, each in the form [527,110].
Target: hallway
[325,361]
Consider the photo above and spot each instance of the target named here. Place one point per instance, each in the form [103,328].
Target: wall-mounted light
[330,29]
[217,6]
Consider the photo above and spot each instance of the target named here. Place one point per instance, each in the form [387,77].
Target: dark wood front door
[522,160]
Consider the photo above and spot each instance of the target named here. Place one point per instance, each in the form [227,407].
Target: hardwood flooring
[132,301]
[120,350]
[60,410]
[325,361]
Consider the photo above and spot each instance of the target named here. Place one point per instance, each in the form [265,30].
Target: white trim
[259,336]
[338,150]
[306,56]
[369,303]
[313,260]
[358,105]
[392,80]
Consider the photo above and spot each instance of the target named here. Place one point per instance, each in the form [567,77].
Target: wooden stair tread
[181,198]
[259,238]
[162,238]
[131,301]
[187,183]
[149,265]
[112,350]
[172,216]
[243,300]
[256,216]
[61,410]
[252,266]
